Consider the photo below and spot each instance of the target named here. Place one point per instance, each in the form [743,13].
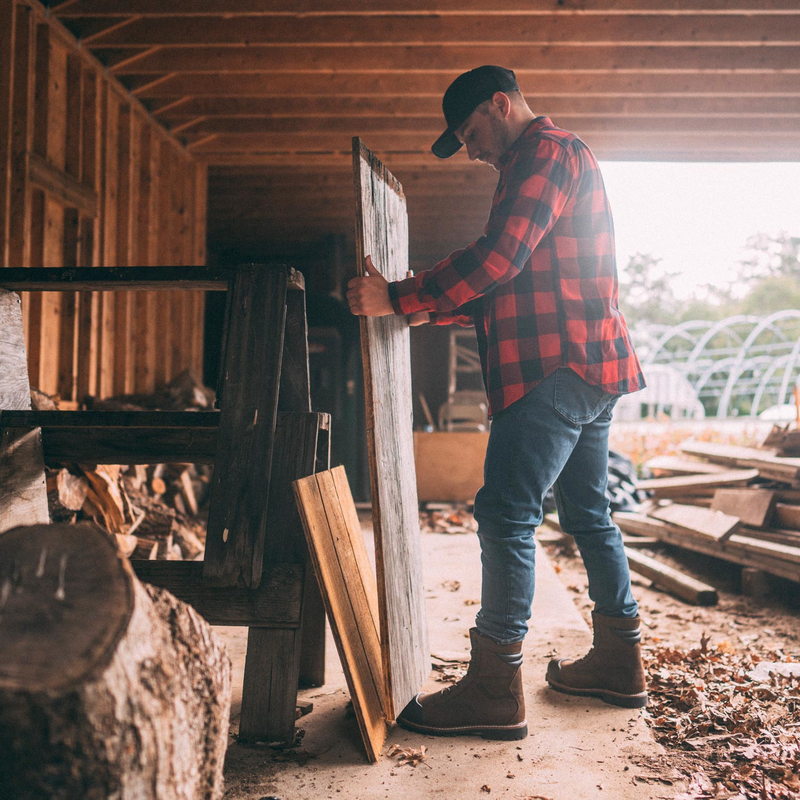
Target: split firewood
[126,544]
[187,490]
[106,501]
[104,681]
[146,549]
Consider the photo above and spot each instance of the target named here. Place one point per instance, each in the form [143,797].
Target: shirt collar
[534,126]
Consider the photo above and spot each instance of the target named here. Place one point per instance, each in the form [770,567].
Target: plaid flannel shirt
[540,285]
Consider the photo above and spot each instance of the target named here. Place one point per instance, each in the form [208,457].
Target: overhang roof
[281,87]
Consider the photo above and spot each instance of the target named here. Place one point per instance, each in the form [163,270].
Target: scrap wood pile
[737,710]
[154,511]
[741,504]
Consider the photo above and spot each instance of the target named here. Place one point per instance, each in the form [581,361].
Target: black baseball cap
[464,95]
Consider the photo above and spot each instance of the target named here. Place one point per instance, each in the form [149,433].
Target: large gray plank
[382,232]
[23,494]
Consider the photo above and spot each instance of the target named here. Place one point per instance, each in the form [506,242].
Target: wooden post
[252,365]
[23,494]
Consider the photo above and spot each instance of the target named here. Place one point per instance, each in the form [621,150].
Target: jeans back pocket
[577,401]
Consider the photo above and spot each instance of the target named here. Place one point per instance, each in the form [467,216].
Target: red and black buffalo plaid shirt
[540,285]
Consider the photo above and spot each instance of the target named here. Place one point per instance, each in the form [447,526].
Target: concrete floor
[577,748]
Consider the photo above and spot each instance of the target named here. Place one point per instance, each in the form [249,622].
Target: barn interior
[218,133]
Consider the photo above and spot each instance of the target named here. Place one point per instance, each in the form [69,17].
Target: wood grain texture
[752,506]
[692,484]
[240,486]
[272,669]
[702,521]
[23,494]
[348,588]
[382,232]
[672,580]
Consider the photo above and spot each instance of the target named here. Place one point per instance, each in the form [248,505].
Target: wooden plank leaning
[382,232]
[23,494]
[348,587]
[251,368]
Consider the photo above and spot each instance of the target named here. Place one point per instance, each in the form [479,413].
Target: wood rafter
[157,8]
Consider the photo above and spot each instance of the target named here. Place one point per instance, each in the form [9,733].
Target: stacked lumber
[153,511]
[741,504]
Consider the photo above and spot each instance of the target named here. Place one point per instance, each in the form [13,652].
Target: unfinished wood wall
[88,178]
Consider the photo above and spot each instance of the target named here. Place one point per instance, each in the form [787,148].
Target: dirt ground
[738,631]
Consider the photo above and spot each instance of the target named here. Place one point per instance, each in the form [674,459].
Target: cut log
[672,580]
[696,484]
[752,506]
[108,688]
[701,521]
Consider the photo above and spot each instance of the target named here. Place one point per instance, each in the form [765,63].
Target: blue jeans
[556,435]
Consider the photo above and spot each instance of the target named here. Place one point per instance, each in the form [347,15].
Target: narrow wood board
[753,506]
[23,493]
[675,465]
[382,232]
[768,464]
[787,516]
[702,521]
[672,580]
[742,550]
[348,587]
[237,520]
[689,484]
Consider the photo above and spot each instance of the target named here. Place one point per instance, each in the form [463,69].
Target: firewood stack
[741,504]
[155,511]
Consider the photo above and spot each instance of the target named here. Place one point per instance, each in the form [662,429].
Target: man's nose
[472,152]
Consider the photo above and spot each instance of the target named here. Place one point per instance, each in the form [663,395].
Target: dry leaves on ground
[407,755]
[744,721]
[454,519]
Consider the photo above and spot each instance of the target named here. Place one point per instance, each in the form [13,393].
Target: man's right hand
[419,318]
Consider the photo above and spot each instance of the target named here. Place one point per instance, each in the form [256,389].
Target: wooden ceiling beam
[430,127]
[413,143]
[369,59]
[426,83]
[159,8]
[746,152]
[175,109]
[90,29]
[472,29]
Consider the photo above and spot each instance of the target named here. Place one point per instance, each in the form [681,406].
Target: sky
[697,217]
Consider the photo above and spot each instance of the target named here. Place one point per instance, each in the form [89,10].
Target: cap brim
[446,145]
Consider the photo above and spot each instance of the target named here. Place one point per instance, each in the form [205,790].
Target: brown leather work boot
[612,670]
[487,701]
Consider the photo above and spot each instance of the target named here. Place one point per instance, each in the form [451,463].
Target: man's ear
[502,102]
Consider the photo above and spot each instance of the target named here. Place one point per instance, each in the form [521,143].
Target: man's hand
[368,296]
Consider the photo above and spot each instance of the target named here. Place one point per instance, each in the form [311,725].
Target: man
[541,289]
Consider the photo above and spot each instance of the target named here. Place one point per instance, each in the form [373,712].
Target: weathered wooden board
[675,465]
[690,484]
[787,516]
[767,463]
[348,588]
[237,519]
[382,232]
[672,580]
[771,557]
[752,506]
[703,521]
[23,494]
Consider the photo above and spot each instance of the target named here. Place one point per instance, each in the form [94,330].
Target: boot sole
[612,698]
[504,733]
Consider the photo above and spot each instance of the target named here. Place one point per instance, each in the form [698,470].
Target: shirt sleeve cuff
[403,297]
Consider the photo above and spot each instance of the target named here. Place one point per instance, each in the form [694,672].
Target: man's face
[485,135]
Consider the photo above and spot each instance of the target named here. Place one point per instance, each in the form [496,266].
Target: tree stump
[108,687]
